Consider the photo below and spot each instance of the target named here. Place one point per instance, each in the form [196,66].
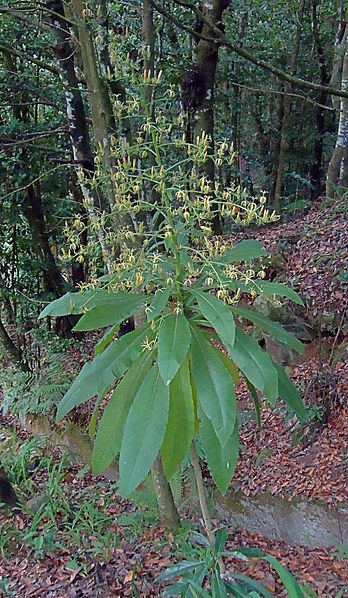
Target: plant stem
[201,495]
[166,506]
[203,502]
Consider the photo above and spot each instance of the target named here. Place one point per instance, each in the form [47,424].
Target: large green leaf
[274,328]
[255,364]
[256,402]
[144,431]
[218,314]
[181,421]
[110,430]
[292,587]
[221,460]
[99,374]
[289,394]
[177,570]
[112,312]
[244,251]
[229,365]
[106,340]
[267,288]
[78,303]
[247,585]
[158,303]
[173,344]
[220,540]
[214,385]
[218,586]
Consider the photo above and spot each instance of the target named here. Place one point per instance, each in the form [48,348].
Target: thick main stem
[201,495]
[167,509]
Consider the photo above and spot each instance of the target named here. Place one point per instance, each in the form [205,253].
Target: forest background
[254,94]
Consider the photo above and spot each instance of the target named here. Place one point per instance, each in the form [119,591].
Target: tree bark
[7,494]
[336,171]
[275,145]
[148,34]
[166,506]
[316,171]
[115,87]
[77,121]
[99,99]
[205,66]
[53,280]
[284,143]
[11,349]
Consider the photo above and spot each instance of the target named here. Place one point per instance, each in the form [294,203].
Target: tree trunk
[148,34]
[7,494]
[53,280]
[101,107]
[284,143]
[11,349]
[99,99]
[116,87]
[166,506]
[336,172]
[275,146]
[316,172]
[78,128]
[205,67]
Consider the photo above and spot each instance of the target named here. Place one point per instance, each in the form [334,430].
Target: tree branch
[24,56]
[224,41]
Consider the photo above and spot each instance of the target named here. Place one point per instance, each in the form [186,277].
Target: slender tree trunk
[205,66]
[53,280]
[262,137]
[337,171]
[316,171]
[275,145]
[339,50]
[284,143]
[115,87]
[238,102]
[339,78]
[148,33]
[78,128]
[101,107]
[99,99]
[11,349]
